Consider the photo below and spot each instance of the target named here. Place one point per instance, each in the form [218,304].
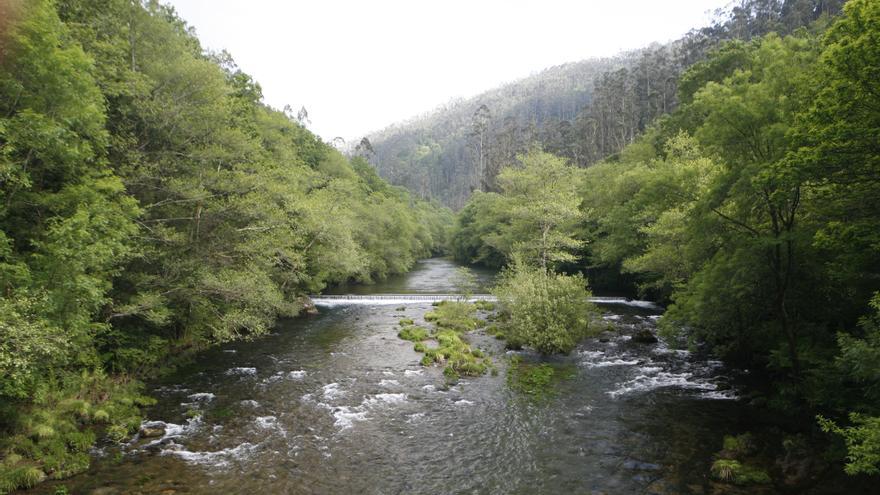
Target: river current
[336,403]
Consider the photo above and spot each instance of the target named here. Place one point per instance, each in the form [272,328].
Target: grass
[536,379]
[485,305]
[457,356]
[451,319]
[495,331]
[455,315]
[53,440]
[413,333]
[739,445]
[737,473]
[730,465]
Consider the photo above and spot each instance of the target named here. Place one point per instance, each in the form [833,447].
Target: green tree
[542,201]
[547,311]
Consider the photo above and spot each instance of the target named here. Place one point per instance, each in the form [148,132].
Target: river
[336,403]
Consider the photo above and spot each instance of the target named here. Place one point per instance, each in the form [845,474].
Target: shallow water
[336,403]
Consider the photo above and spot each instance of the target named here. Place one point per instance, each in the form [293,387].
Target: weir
[383,299]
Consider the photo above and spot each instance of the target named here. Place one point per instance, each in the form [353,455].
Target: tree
[543,204]
[365,149]
[479,130]
[547,311]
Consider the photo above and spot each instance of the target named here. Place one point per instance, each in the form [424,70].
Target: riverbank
[338,402]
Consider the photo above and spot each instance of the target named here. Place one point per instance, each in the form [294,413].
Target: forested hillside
[152,205]
[751,211]
[583,111]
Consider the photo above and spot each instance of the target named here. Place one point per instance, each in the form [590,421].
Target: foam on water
[379,399]
[652,381]
[389,383]
[599,359]
[201,397]
[345,416]
[331,391]
[218,459]
[415,417]
[242,371]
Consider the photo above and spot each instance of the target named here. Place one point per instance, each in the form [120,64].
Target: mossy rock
[405,322]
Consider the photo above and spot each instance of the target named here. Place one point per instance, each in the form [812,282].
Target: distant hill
[584,111]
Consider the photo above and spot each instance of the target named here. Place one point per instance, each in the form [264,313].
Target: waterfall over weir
[402,299]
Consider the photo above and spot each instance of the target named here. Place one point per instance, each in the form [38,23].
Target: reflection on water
[338,404]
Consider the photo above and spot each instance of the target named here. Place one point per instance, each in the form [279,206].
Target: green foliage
[465,282]
[23,477]
[413,333]
[153,205]
[532,217]
[451,320]
[404,322]
[455,315]
[536,379]
[485,305]
[858,363]
[732,471]
[62,423]
[739,445]
[482,218]
[862,438]
[547,311]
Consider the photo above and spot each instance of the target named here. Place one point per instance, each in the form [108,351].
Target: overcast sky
[360,65]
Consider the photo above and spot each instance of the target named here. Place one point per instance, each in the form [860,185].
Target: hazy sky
[358,66]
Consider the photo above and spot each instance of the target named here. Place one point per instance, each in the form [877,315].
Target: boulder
[309,307]
[644,336]
[152,430]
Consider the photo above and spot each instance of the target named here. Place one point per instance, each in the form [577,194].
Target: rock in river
[644,336]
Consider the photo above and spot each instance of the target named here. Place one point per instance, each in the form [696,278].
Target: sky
[359,65]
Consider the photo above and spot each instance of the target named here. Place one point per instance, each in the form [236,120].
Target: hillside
[584,111]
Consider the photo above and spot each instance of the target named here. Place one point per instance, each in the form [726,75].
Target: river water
[336,403]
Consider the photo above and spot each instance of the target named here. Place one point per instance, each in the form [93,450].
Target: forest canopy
[152,205]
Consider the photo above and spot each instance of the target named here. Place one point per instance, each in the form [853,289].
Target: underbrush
[52,438]
[736,462]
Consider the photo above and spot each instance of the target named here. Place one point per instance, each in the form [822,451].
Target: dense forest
[583,111]
[153,206]
[751,210]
